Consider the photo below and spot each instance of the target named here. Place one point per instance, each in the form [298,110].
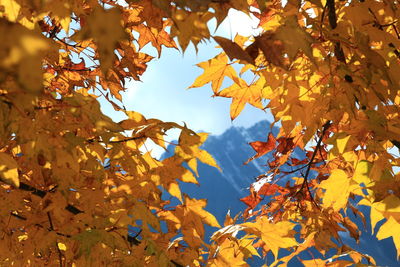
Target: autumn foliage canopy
[77,189]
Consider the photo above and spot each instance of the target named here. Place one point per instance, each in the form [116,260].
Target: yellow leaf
[389,204]
[376,216]
[246,245]
[174,190]
[337,190]
[11,9]
[8,170]
[391,228]
[341,141]
[361,173]
[215,70]
[230,253]
[314,263]
[188,177]
[388,207]
[135,120]
[14,12]
[65,22]
[275,235]
[190,151]
[242,93]
[197,206]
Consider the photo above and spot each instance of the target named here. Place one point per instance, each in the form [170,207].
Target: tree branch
[72,209]
[311,162]
[52,229]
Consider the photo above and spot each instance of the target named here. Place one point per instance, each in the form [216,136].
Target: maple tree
[77,188]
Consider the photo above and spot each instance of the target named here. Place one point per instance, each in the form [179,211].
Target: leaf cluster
[79,189]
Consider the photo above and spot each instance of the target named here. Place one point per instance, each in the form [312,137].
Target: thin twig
[52,229]
[324,128]
[310,163]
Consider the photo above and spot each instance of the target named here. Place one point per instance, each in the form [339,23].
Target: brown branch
[52,229]
[338,50]
[16,215]
[323,13]
[330,4]
[91,140]
[74,210]
[310,163]
[295,170]
[39,225]
[72,69]
[396,31]
[324,128]
[68,44]
[50,221]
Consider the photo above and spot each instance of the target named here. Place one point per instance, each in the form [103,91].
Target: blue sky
[163,93]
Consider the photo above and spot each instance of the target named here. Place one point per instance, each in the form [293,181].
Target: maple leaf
[272,48]
[23,50]
[154,36]
[215,70]
[197,206]
[269,189]
[106,29]
[152,12]
[191,152]
[294,39]
[275,235]
[262,148]
[251,200]
[337,190]
[390,229]
[242,93]
[233,50]
[190,27]
[84,183]
[285,144]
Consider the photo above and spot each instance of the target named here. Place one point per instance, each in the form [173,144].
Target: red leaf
[268,189]
[79,66]
[272,189]
[251,200]
[262,148]
[285,144]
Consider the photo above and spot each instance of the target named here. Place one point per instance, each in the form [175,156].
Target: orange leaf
[268,189]
[262,148]
[251,200]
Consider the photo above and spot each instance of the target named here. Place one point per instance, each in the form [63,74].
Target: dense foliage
[79,189]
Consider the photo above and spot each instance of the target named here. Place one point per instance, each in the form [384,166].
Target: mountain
[230,149]
[223,190]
